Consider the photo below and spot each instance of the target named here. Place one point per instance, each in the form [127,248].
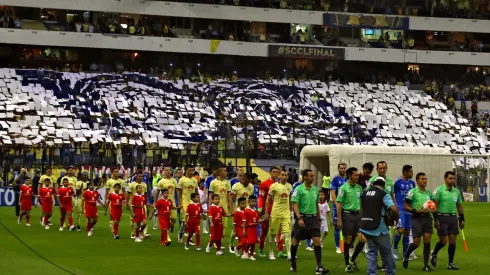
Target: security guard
[305,200]
[421,219]
[448,200]
[374,225]
[349,213]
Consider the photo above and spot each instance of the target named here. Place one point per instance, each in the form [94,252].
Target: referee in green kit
[305,200]
[448,199]
[349,213]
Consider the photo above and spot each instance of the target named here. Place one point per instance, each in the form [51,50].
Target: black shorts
[311,229]
[421,225]
[351,223]
[448,225]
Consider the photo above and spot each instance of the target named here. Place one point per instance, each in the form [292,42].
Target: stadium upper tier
[213,11]
[47,107]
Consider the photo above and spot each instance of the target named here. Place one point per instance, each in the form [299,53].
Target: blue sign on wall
[482,193]
[7,197]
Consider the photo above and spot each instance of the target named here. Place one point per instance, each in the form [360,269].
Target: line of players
[411,199]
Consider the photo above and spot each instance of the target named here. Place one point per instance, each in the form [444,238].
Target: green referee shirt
[418,197]
[307,199]
[389,186]
[448,199]
[326,182]
[350,197]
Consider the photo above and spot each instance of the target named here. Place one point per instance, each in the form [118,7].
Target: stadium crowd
[273,212]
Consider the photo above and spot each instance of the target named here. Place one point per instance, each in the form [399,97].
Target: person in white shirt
[324,215]
[202,197]
[154,194]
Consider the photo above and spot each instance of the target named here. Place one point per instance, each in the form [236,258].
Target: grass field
[100,254]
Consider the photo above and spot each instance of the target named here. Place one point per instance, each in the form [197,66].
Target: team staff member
[421,219]
[326,186]
[337,182]
[349,217]
[375,228]
[280,218]
[365,176]
[448,199]
[305,200]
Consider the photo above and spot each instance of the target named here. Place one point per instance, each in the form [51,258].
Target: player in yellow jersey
[186,186]
[131,191]
[222,187]
[70,175]
[240,189]
[109,186]
[280,218]
[80,187]
[170,184]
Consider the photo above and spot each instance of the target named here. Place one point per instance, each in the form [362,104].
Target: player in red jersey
[251,218]
[263,193]
[90,199]
[193,221]
[138,212]
[164,207]
[65,198]
[25,201]
[46,198]
[116,200]
[238,226]
[216,213]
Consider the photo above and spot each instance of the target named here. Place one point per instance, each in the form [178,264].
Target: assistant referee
[448,200]
[305,200]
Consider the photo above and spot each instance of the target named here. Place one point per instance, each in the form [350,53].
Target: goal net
[470,170]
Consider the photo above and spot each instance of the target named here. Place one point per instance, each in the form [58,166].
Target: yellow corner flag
[214,45]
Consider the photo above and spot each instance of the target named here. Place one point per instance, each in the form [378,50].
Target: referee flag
[341,241]
[464,241]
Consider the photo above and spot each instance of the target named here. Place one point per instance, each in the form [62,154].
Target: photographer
[376,204]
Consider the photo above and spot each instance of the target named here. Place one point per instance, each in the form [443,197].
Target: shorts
[139,217]
[279,225]
[47,207]
[91,212]
[324,226]
[448,225]
[116,214]
[351,223]
[193,226]
[26,205]
[217,232]
[421,225]
[311,229]
[164,222]
[173,214]
[66,208]
[252,235]
[405,222]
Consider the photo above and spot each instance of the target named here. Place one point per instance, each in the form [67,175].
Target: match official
[375,228]
[349,217]
[448,199]
[421,219]
[305,200]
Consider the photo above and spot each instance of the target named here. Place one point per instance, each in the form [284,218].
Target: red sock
[62,221]
[70,221]
[137,232]
[218,245]
[28,218]
[198,240]
[162,237]
[263,235]
[142,228]
[89,226]
[189,236]
[21,215]
[94,222]
[165,236]
[211,242]
[116,228]
[46,220]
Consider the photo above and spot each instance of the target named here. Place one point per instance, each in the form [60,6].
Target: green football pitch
[101,254]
